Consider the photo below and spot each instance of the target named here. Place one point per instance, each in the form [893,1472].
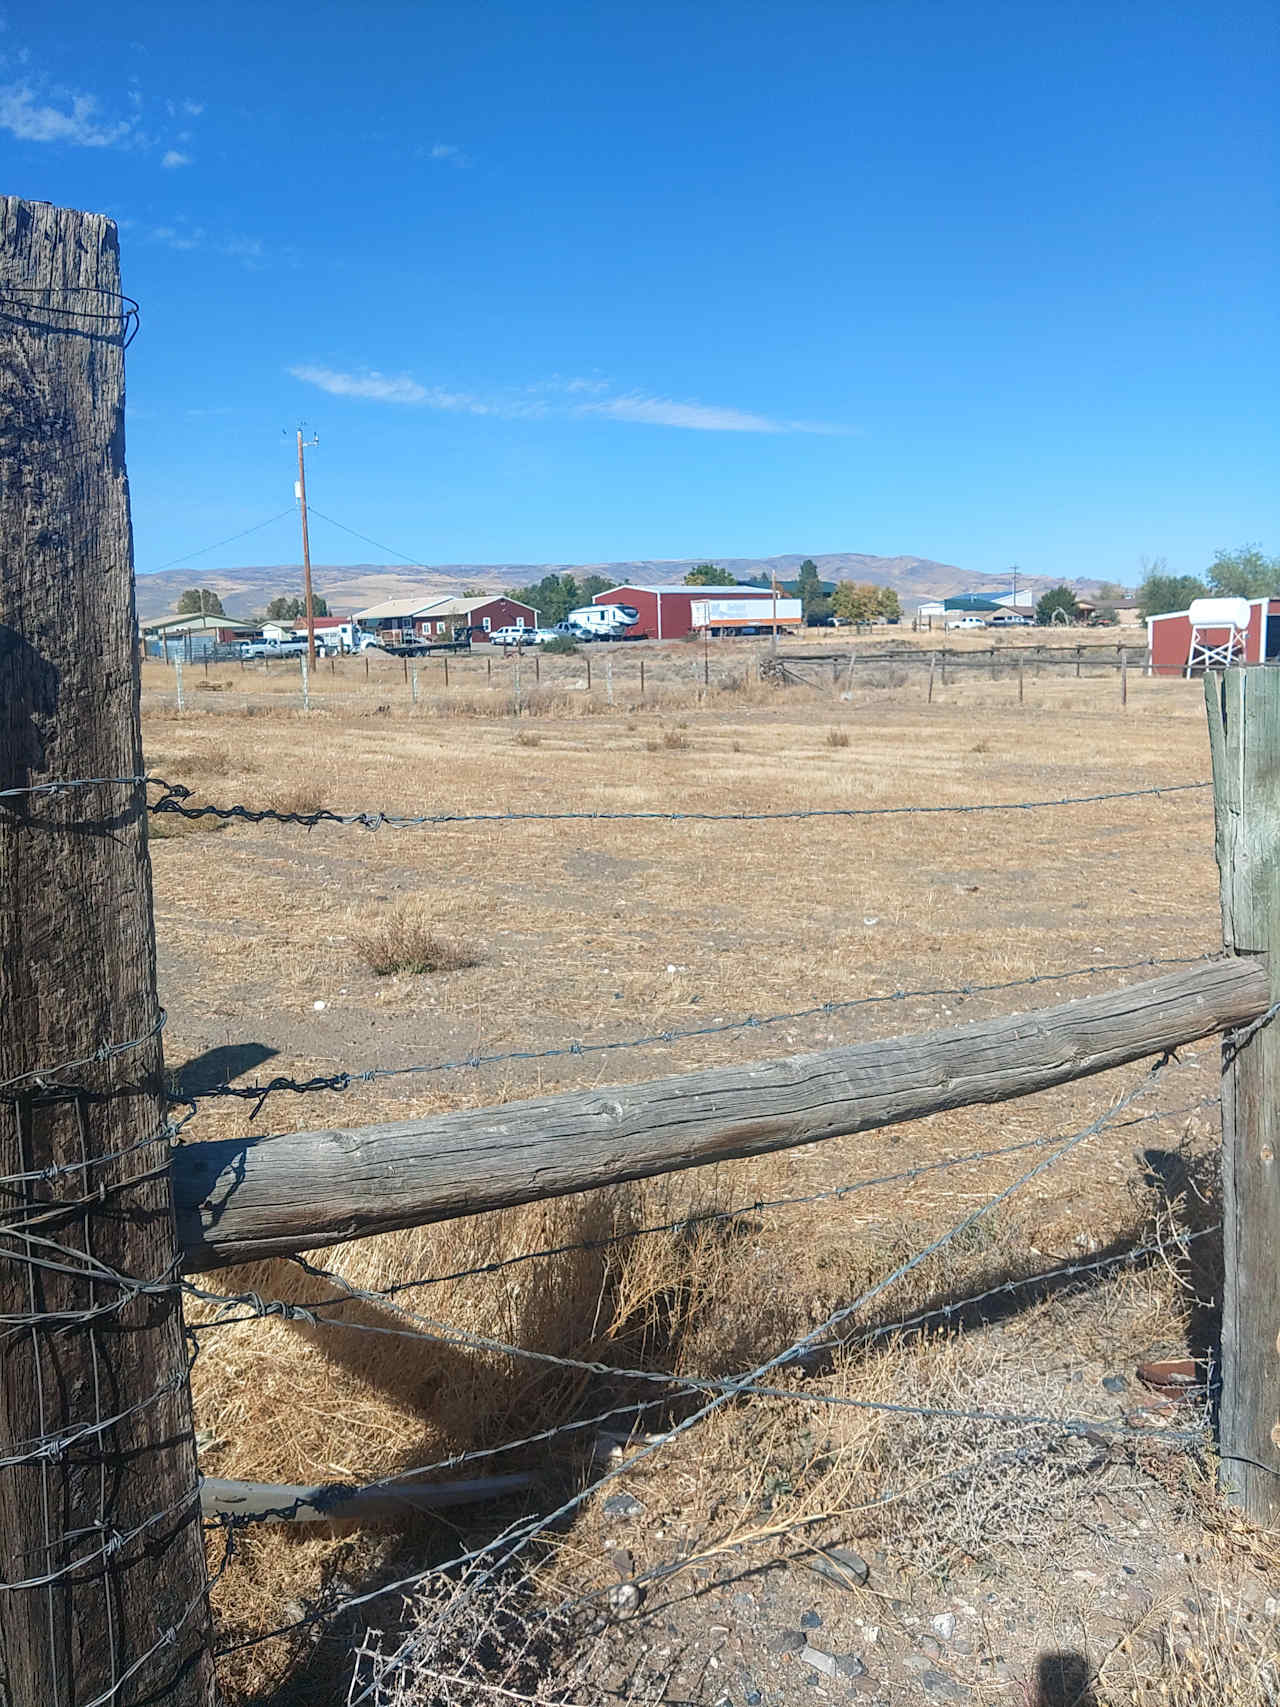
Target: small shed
[1169,635]
[192,636]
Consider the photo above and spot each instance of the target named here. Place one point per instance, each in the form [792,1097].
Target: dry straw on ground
[598,931]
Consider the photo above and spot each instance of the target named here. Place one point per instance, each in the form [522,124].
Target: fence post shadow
[1063,1678]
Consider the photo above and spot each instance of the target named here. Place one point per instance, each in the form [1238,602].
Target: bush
[837,737]
[561,646]
[406,944]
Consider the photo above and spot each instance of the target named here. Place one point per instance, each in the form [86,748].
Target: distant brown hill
[350,586]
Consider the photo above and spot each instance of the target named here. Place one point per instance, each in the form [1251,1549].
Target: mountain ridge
[350,586]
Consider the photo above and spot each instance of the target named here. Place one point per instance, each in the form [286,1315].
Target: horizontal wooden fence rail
[242,1199]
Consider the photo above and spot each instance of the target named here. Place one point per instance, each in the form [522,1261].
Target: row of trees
[286,607]
[1245,573]
[554,596]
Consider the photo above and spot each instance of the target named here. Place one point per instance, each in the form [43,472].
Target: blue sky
[989,284]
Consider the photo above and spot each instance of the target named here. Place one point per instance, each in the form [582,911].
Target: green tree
[1245,573]
[1056,599]
[201,601]
[808,586]
[856,601]
[593,584]
[888,605]
[289,607]
[707,575]
[1161,591]
[553,597]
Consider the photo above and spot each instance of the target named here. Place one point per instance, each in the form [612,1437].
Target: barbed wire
[344,1079]
[1027,1283]
[518,1535]
[692,1220]
[176,795]
[126,316]
[313,1314]
[101,1055]
[70,784]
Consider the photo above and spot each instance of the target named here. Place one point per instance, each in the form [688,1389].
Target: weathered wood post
[933,664]
[1022,686]
[102,1577]
[1124,676]
[177,680]
[1244,735]
[642,681]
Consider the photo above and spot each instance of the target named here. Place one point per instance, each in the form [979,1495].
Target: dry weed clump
[837,737]
[409,942]
[303,798]
[670,741]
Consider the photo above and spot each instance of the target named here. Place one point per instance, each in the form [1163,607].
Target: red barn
[1169,637]
[666,613]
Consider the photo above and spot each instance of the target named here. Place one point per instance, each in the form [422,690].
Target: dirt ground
[990,1546]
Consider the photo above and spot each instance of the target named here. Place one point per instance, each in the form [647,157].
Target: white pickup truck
[272,648]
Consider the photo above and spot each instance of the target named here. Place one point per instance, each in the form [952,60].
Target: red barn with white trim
[666,613]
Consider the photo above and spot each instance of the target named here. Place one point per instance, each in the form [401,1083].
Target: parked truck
[745,616]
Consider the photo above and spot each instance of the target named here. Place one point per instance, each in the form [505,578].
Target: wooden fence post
[1124,676]
[1244,736]
[642,680]
[112,1525]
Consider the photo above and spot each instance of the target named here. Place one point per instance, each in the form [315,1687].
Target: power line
[416,562]
[230,540]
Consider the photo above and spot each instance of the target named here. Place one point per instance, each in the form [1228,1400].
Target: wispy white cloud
[667,412]
[379,387]
[181,237]
[635,408]
[34,109]
[64,117]
[449,153]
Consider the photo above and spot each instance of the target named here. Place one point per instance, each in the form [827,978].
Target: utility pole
[306,550]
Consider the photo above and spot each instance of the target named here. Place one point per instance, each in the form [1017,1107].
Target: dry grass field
[292,951]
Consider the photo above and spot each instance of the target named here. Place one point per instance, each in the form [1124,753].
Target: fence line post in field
[588,673]
[177,677]
[1022,687]
[516,678]
[306,684]
[1124,676]
[933,664]
[488,669]
[413,685]
[642,681]
[1244,736]
[537,667]
[1079,655]
[101,1553]
[446,669]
